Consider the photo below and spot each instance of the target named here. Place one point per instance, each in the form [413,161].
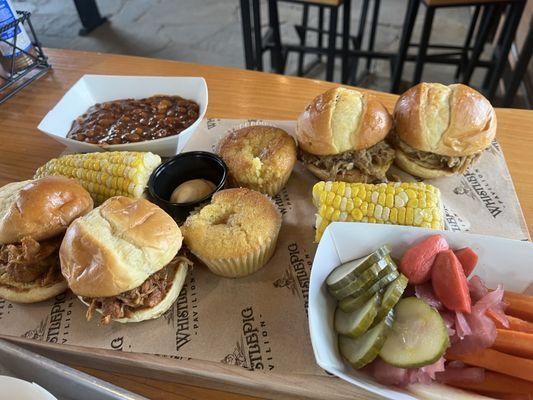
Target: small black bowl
[181,168]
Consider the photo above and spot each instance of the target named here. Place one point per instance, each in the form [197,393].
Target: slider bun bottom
[411,167]
[160,308]
[32,292]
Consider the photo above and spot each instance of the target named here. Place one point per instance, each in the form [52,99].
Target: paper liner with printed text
[260,322]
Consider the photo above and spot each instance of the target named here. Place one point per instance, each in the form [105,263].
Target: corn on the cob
[408,203]
[105,174]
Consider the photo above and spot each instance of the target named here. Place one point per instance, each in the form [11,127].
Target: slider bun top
[452,120]
[341,120]
[117,246]
[41,208]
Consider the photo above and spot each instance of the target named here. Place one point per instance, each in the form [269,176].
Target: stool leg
[372,39]
[424,42]
[407,31]
[331,43]
[468,41]
[319,41]
[520,68]
[346,15]
[276,55]
[359,39]
[515,14]
[303,39]
[258,36]
[247,34]
[484,30]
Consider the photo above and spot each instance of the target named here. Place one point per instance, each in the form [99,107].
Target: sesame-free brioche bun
[117,246]
[33,292]
[453,120]
[41,208]
[341,120]
[411,167]
[142,314]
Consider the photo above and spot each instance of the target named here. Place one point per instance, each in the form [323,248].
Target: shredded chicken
[370,162]
[150,293]
[31,260]
[436,161]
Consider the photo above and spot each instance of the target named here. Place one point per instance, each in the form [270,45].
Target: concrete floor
[209,32]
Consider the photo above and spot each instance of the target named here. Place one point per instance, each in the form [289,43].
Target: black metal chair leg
[423,47]
[468,42]
[89,16]
[408,25]
[320,39]
[303,39]
[515,14]
[520,68]
[247,34]
[276,55]
[373,28]
[484,31]
[258,35]
[331,43]
[347,5]
[359,39]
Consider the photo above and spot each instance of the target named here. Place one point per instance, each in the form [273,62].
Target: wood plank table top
[233,93]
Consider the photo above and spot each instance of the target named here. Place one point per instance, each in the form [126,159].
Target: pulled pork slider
[441,130]
[341,137]
[122,260]
[34,215]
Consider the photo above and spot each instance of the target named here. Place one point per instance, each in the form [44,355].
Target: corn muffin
[259,158]
[234,235]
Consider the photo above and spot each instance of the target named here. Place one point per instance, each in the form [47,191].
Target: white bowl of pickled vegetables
[98,90]
[411,313]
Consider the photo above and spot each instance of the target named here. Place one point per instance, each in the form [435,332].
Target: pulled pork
[31,260]
[426,159]
[150,293]
[371,162]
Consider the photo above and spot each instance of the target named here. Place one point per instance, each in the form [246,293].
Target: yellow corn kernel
[357,214]
[413,202]
[372,220]
[350,204]
[341,188]
[370,210]
[364,207]
[389,200]
[409,216]
[401,216]
[393,217]
[337,202]
[330,197]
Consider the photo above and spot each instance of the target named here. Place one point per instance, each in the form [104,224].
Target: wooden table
[233,93]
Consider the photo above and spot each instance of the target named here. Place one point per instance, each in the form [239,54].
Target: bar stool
[520,68]
[491,11]
[255,44]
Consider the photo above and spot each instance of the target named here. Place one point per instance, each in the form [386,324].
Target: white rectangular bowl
[92,89]
[500,261]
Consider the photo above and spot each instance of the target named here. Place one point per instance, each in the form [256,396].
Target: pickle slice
[392,295]
[347,272]
[366,279]
[418,336]
[364,349]
[351,303]
[357,322]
